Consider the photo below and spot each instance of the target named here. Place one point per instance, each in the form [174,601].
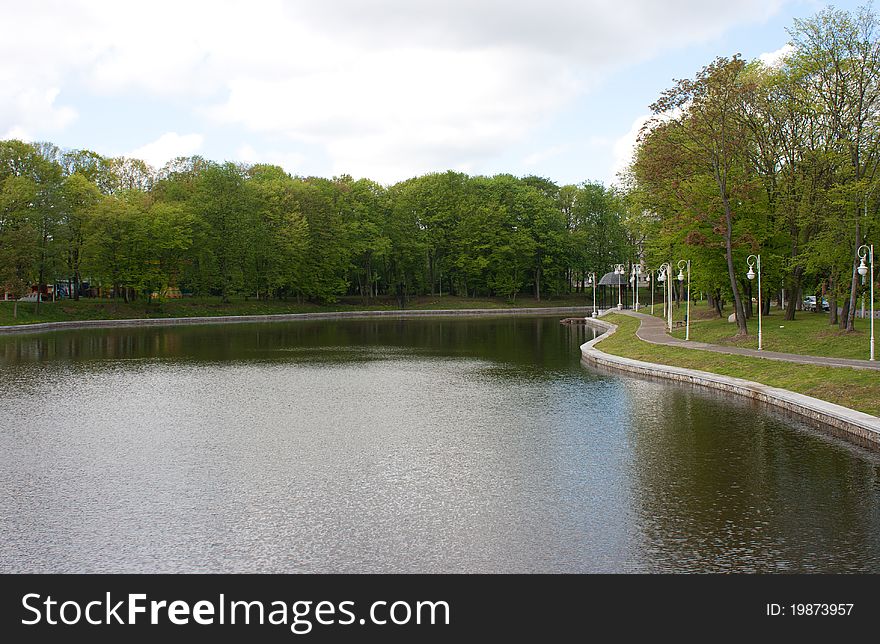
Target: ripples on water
[391,446]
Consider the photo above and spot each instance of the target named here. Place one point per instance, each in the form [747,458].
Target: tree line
[779,160]
[233,230]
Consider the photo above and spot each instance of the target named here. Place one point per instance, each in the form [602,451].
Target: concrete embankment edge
[284,317]
[853,425]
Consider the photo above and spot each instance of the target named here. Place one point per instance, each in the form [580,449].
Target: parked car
[809,303]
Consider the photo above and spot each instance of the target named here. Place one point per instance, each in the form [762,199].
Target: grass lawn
[854,388]
[808,334]
[105,309]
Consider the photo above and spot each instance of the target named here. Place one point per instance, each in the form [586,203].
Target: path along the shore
[653,330]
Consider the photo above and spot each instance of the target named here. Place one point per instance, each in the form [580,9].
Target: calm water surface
[403,446]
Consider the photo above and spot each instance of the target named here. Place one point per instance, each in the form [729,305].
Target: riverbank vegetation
[857,389]
[117,227]
[776,159]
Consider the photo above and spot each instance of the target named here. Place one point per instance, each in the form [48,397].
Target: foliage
[227,230]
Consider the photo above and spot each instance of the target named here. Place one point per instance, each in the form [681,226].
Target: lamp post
[633,281]
[592,282]
[751,260]
[687,316]
[864,251]
[619,270]
[636,275]
[663,272]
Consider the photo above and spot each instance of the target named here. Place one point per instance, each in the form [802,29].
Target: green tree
[696,155]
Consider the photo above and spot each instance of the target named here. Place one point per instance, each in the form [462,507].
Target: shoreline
[855,426]
[858,427]
[44,327]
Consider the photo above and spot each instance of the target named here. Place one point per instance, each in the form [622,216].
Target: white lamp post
[637,274]
[751,261]
[634,282]
[619,270]
[681,264]
[663,272]
[592,282]
[865,251]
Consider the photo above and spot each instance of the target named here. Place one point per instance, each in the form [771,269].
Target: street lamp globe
[751,273]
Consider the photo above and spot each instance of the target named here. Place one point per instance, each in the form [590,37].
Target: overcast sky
[385,89]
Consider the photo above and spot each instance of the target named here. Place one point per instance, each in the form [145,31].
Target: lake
[420,445]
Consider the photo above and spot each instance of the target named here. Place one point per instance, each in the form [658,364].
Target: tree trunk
[790,308]
[370,278]
[850,304]
[742,329]
[795,287]
[431,271]
[844,317]
[39,290]
[748,303]
[832,302]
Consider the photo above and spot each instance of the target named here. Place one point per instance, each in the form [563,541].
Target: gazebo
[608,291]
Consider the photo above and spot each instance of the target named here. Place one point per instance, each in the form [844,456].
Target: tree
[695,152]
[225,203]
[116,251]
[79,198]
[281,235]
[840,55]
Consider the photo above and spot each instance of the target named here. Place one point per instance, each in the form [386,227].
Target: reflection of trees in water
[534,341]
[725,485]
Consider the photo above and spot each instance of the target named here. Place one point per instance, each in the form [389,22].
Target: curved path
[653,330]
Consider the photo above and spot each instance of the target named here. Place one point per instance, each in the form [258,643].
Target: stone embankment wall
[855,426]
[287,317]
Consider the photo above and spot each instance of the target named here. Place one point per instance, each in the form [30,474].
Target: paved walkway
[653,330]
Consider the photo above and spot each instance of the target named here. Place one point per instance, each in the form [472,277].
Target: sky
[382,89]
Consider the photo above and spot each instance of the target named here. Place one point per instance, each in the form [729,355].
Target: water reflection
[395,446]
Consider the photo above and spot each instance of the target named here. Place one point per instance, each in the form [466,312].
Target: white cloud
[624,147]
[18,133]
[291,162]
[167,147]
[33,109]
[247,154]
[385,88]
[381,114]
[775,58]
[542,155]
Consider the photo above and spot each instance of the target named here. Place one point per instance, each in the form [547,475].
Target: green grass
[808,334]
[854,388]
[106,309]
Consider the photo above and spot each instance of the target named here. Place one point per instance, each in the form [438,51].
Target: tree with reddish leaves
[693,157]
